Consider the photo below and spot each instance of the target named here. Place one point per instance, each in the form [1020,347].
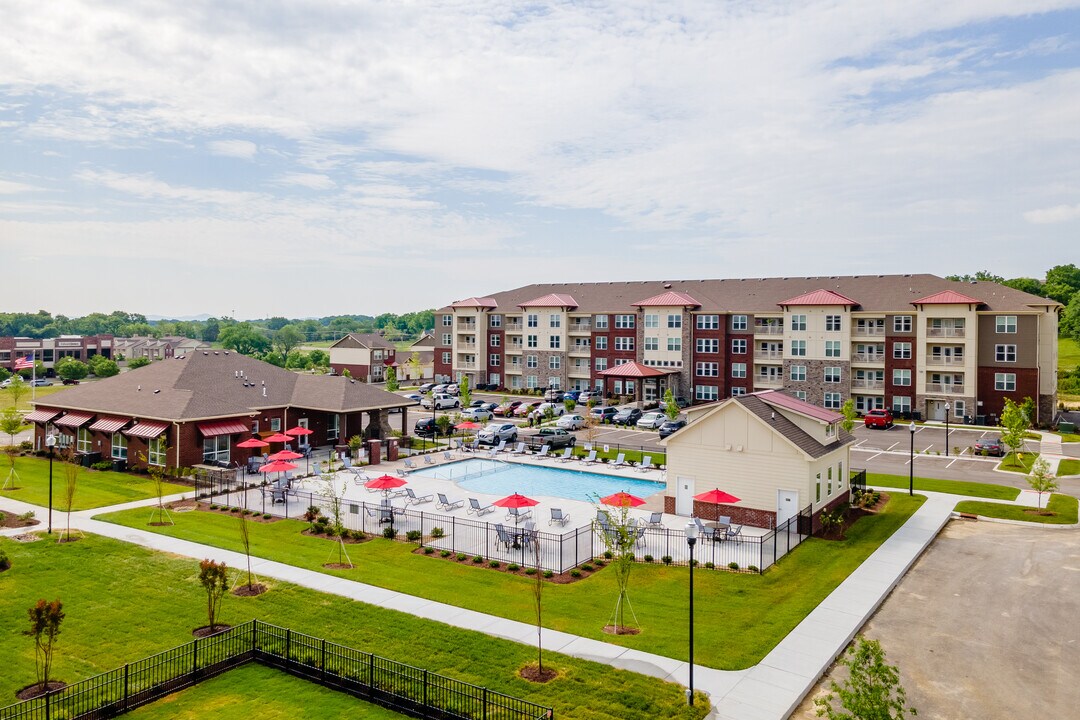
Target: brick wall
[993,401]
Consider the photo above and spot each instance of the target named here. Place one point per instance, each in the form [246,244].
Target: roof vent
[204,352]
[226,352]
[236,373]
[139,389]
[667,286]
[156,392]
[216,352]
[264,392]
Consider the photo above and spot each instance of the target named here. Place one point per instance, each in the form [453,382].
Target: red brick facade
[993,400]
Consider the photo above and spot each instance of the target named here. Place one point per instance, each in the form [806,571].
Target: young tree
[71,369]
[71,481]
[1015,424]
[103,367]
[538,595]
[414,366]
[17,390]
[464,393]
[872,689]
[445,424]
[671,408]
[45,620]
[159,475]
[214,577]
[618,536]
[391,379]
[245,540]
[1041,479]
[848,411]
[287,338]
[570,404]
[11,424]
[335,497]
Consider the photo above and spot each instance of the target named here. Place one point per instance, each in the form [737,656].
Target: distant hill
[183,318]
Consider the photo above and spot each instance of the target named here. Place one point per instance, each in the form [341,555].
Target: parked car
[670,427]
[553,395]
[585,397]
[507,408]
[476,414]
[482,386]
[476,403]
[414,396]
[525,408]
[453,389]
[494,432]
[489,406]
[626,416]
[603,414]
[878,419]
[41,382]
[440,388]
[556,438]
[572,395]
[652,420]
[425,427]
[441,401]
[570,422]
[680,401]
[989,446]
[70,381]
[426,387]
[557,408]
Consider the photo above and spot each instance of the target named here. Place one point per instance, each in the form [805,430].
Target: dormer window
[830,430]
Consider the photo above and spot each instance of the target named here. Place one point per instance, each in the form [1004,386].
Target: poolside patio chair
[413,499]
[278,495]
[374,512]
[492,453]
[567,455]
[646,464]
[428,460]
[518,514]
[620,461]
[543,452]
[409,464]
[347,461]
[655,520]
[446,504]
[502,447]
[590,458]
[447,456]
[519,449]
[502,536]
[475,508]
[734,532]
[559,517]
[386,507]
[707,533]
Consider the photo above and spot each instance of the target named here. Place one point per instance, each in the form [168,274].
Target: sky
[277,157]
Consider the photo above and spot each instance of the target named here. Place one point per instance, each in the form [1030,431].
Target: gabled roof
[947,297]
[670,298]
[634,369]
[781,399]
[819,297]
[475,302]
[551,300]
[757,405]
[370,341]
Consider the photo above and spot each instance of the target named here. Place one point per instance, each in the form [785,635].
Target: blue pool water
[495,477]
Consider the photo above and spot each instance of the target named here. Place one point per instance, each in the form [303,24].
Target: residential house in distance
[424,348]
[776,453]
[50,350]
[156,348]
[366,356]
[917,344]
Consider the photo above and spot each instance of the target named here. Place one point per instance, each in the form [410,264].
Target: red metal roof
[475,302]
[223,427]
[669,299]
[779,399]
[109,424]
[148,429]
[634,369]
[947,297]
[552,300]
[41,416]
[74,419]
[819,297]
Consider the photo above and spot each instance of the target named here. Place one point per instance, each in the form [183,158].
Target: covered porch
[643,382]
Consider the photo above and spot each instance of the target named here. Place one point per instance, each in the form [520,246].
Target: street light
[691,540]
[50,442]
[948,408]
[911,460]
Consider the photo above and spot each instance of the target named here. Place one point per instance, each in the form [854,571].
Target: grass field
[1064,505]
[1068,358]
[258,691]
[1018,462]
[124,602]
[95,488]
[1069,467]
[763,607]
[953,487]
[25,400]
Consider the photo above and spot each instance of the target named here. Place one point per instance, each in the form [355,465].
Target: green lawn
[1064,505]
[953,487]
[258,691]
[1068,467]
[95,488]
[659,457]
[124,602]
[1018,462]
[25,400]
[763,607]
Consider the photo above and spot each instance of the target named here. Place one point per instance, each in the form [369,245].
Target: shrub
[733,565]
[213,507]
[648,558]
[28,515]
[608,555]
[695,563]
[549,574]
[312,513]
[5,562]
[575,573]
[462,557]
[587,567]
[530,571]
[103,465]
[330,532]
[513,567]
[245,512]
[666,559]
[494,564]
[234,510]
[710,565]
[752,568]
[359,535]
[428,550]
[477,559]
[437,533]
[445,553]
[389,533]
[413,536]
[600,563]
[267,516]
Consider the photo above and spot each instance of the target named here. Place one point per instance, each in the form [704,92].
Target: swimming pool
[495,477]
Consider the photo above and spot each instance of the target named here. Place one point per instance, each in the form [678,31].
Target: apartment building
[50,351]
[365,355]
[918,344]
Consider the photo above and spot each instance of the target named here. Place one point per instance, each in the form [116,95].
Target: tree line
[1061,283]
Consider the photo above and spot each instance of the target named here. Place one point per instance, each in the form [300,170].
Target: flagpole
[33,378]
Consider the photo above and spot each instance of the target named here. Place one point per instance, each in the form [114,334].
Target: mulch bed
[250,590]
[1044,512]
[338,566]
[254,516]
[207,631]
[28,537]
[558,578]
[32,691]
[622,630]
[348,541]
[12,520]
[852,516]
[533,674]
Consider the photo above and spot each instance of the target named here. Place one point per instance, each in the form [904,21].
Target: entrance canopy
[634,369]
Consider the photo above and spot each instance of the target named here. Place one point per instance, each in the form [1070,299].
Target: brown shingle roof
[368,340]
[778,422]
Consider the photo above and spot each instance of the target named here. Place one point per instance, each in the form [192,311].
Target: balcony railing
[768,380]
[868,383]
[513,327]
[945,332]
[868,330]
[580,350]
[768,329]
[580,327]
[465,366]
[945,388]
[776,355]
[868,357]
[466,324]
[467,346]
[944,360]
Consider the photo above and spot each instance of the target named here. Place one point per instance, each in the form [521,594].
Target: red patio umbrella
[384,482]
[298,431]
[622,499]
[716,497]
[253,443]
[277,466]
[279,438]
[516,501]
[467,425]
[285,455]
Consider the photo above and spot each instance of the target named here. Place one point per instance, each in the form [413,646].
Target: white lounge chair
[543,453]
[558,517]
[646,464]
[567,455]
[410,464]
[447,456]
[475,508]
[428,460]
[447,504]
[414,499]
[519,449]
[518,514]
[620,461]
[590,458]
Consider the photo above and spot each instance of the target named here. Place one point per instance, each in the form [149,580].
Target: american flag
[24,363]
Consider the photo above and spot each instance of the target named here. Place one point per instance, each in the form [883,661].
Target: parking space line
[891,446]
[929,448]
[874,456]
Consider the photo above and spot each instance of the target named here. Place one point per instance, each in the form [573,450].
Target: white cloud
[312,181]
[1057,214]
[7,187]
[243,149]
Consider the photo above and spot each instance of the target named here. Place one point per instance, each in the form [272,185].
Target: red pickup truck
[878,419]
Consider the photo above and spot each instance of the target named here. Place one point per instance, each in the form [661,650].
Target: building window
[531,340]
[736,391]
[83,444]
[1005,353]
[674,321]
[817,489]
[495,321]
[1006,324]
[275,424]
[801,395]
[738,322]
[652,343]
[738,347]
[555,320]
[155,451]
[738,370]
[446,358]
[707,393]
[531,382]
[832,374]
[901,350]
[624,322]
[798,373]
[901,377]
[494,360]
[447,320]
[901,323]
[652,321]
[708,322]
[495,340]
[216,449]
[708,369]
[533,321]
[624,343]
[674,344]
[1005,382]
[119,446]
[798,348]
[708,345]
[833,400]
[600,322]
[601,364]
[531,362]
[554,362]
[601,342]
[555,342]
[515,382]
[832,348]
[798,323]
[832,323]
[901,404]
[446,339]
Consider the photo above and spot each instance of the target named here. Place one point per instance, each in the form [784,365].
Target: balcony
[945,388]
[868,384]
[513,327]
[769,381]
[580,351]
[869,331]
[580,327]
[872,358]
[951,360]
[938,332]
[768,329]
[465,366]
[463,324]
[769,355]
[465,346]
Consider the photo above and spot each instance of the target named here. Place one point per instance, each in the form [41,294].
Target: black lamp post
[948,411]
[50,442]
[691,540]
[911,460]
